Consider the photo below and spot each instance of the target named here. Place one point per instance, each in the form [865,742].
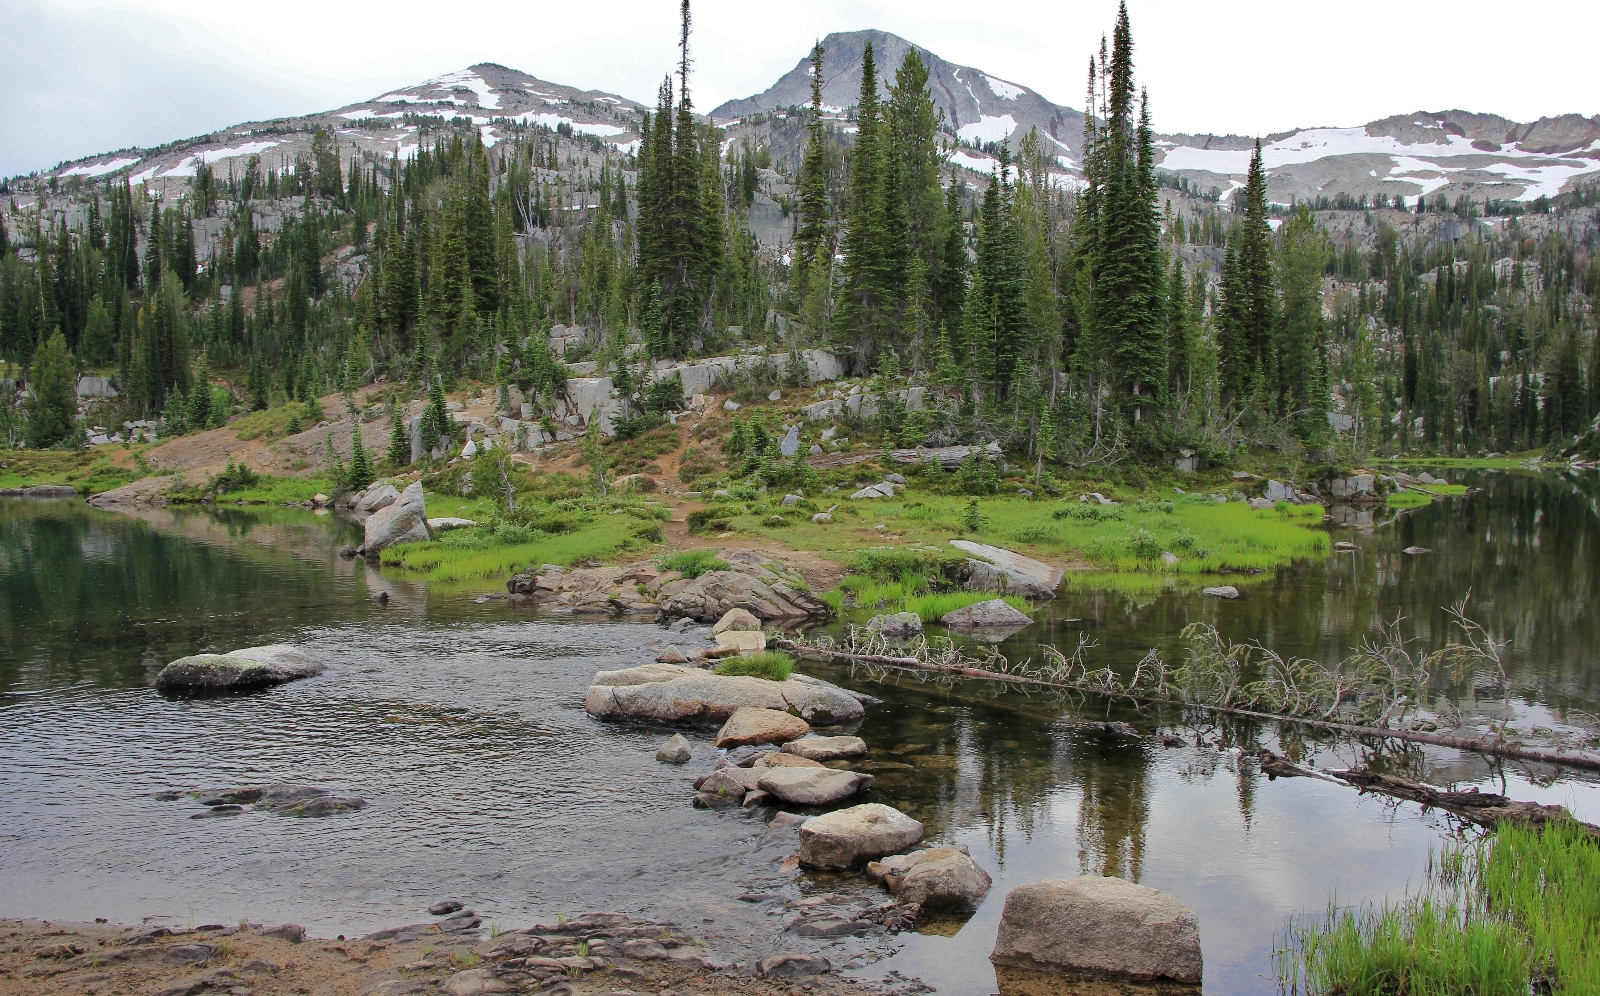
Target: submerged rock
[251,667]
[405,521]
[750,725]
[1105,927]
[1416,550]
[849,838]
[283,800]
[792,966]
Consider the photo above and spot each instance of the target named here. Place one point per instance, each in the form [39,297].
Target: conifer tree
[812,213]
[399,453]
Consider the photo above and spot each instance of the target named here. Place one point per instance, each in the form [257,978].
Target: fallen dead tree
[1484,809]
[1383,680]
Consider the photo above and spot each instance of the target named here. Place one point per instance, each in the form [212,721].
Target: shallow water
[462,724]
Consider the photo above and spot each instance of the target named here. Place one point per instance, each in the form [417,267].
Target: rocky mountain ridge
[1423,154]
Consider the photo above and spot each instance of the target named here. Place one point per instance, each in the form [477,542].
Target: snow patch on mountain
[554,121]
[1004,90]
[988,128]
[99,169]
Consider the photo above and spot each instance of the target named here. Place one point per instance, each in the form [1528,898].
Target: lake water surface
[462,723]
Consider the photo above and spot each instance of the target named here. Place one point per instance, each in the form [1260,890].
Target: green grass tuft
[1515,913]
[1407,499]
[693,563]
[770,664]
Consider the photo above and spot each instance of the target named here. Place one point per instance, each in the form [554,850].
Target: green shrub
[1143,544]
[770,664]
[514,532]
[708,519]
[693,563]
[650,533]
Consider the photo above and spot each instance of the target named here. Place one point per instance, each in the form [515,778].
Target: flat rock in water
[671,693]
[1000,570]
[849,838]
[1104,927]
[752,725]
[1221,591]
[675,751]
[896,625]
[941,878]
[776,759]
[993,614]
[813,786]
[1345,546]
[250,667]
[1414,550]
[826,748]
[405,521]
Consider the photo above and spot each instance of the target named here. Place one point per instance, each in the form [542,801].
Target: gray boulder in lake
[849,838]
[1104,927]
[939,878]
[997,569]
[405,521]
[812,786]
[897,626]
[250,667]
[675,751]
[672,693]
[993,614]
[826,748]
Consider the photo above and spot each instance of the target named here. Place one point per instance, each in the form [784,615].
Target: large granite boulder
[1102,927]
[812,786]
[377,499]
[749,725]
[672,693]
[250,667]
[1000,570]
[849,838]
[405,521]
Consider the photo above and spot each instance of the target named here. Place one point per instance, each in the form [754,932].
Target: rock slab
[826,748]
[813,786]
[674,694]
[1099,927]
[993,614]
[250,667]
[849,838]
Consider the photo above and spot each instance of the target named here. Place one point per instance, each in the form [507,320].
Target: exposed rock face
[405,521]
[670,693]
[897,626]
[46,491]
[712,595]
[592,590]
[826,748]
[750,725]
[849,838]
[996,569]
[993,614]
[251,667]
[941,878]
[1096,926]
[812,786]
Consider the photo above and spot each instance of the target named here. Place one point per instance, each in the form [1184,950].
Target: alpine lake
[461,722]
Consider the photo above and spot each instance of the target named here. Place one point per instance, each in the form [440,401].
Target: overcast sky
[89,76]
